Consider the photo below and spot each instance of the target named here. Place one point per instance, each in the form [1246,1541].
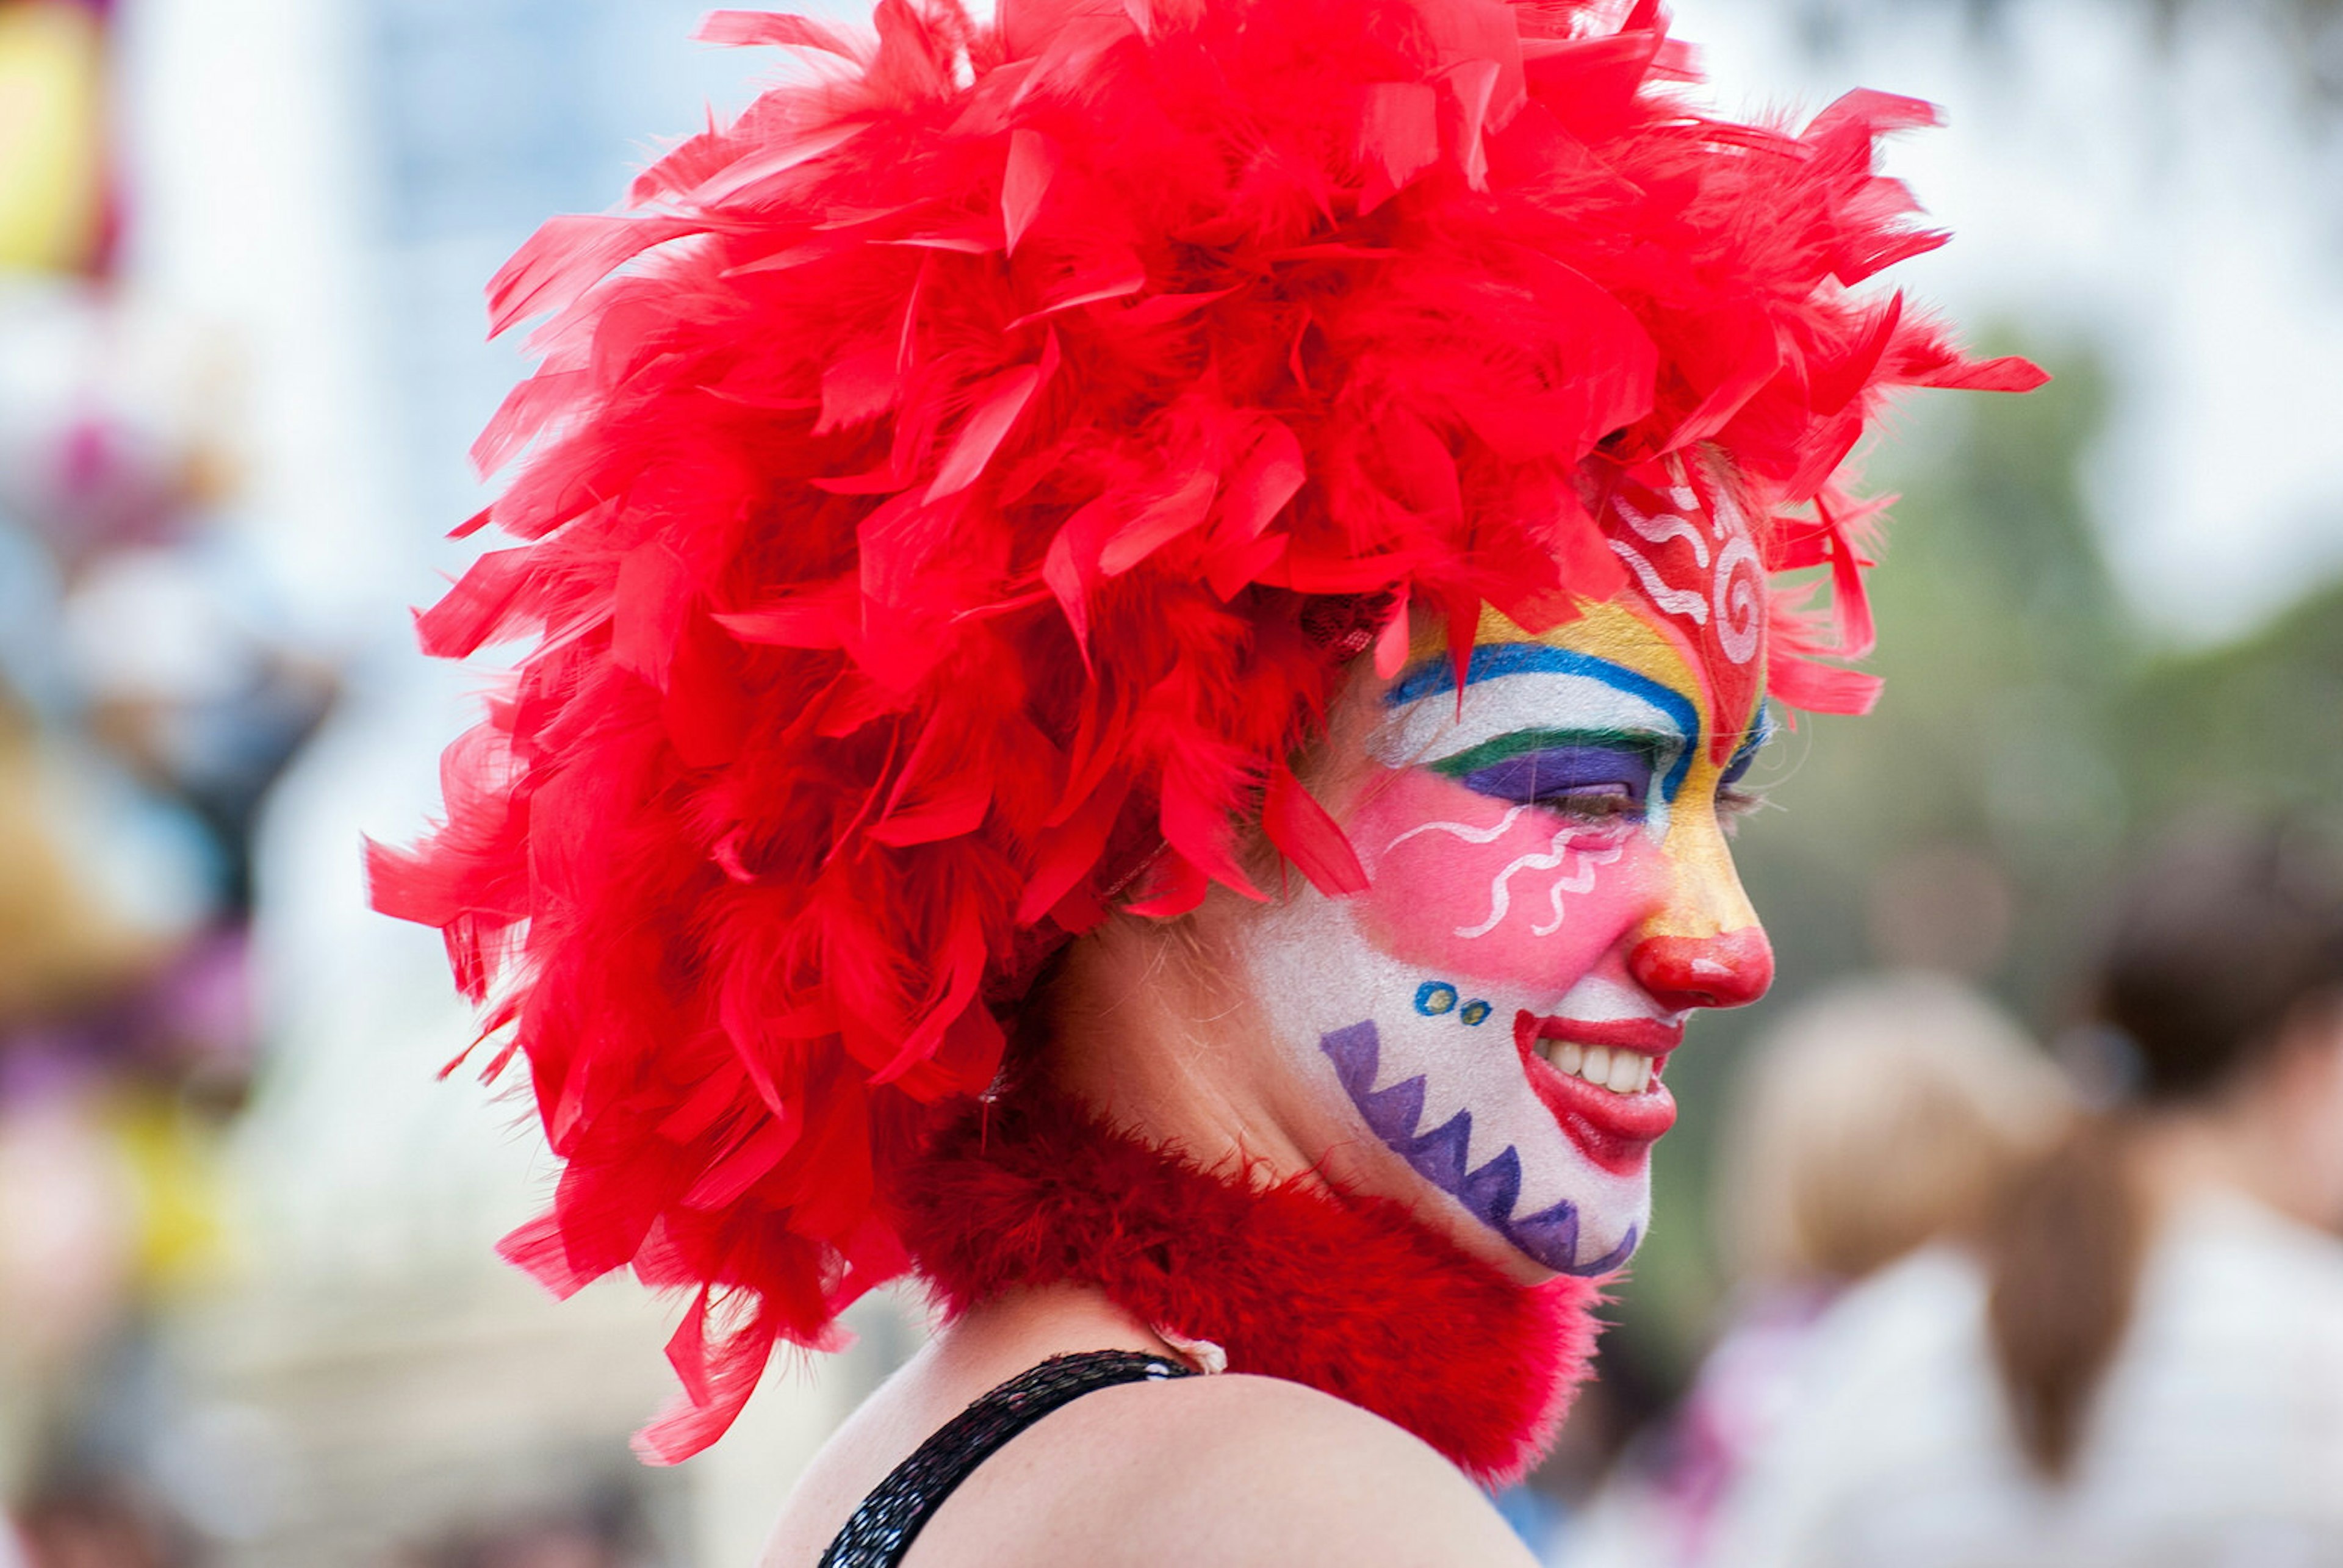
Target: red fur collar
[1347,1294]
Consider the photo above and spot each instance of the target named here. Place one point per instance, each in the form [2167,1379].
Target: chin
[1612,1216]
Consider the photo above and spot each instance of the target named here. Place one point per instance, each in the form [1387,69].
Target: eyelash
[1599,803]
[1736,803]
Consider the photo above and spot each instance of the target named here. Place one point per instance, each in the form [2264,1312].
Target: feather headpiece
[977,459]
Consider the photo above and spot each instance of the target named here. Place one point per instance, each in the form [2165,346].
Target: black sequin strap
[892,1517]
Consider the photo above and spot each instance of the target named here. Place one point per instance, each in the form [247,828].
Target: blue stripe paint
[1493,660]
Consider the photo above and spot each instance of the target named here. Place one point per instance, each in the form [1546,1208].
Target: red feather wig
[953,488]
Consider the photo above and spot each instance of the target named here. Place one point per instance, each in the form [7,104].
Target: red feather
[929,488]
[1309,837]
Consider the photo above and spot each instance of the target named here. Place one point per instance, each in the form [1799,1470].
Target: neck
[1026,1325]
[1291,1278]
[2247,1144]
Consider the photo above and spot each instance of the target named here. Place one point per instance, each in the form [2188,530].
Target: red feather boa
[1349,1295]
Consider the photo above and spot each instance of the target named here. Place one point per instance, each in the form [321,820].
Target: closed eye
[1606,778]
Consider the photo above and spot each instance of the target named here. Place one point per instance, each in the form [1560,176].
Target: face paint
[1697,570]
[1550,898]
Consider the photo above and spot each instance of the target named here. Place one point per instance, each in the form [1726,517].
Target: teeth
[1620,1071]
[1628,1070]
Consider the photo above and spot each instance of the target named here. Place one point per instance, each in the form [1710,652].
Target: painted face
[1551,895]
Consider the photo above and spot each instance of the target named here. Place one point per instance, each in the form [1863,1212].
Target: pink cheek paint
[1468,885]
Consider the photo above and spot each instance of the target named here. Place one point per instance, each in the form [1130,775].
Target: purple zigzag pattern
[1489,1193]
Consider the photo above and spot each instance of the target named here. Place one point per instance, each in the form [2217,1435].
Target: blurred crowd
[153,689]
[150,697]
[1929,1286]
[1998,1306]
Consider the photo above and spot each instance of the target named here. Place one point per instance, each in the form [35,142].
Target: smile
[1600,1080]
[1620,1071]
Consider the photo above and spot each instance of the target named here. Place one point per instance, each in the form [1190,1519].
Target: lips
[1614,1130]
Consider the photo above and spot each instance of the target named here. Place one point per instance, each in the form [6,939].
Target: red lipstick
[1614,1130]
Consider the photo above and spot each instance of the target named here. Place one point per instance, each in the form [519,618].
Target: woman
[1146,621]
[2141,1361]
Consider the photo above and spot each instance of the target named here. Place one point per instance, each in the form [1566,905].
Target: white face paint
[1481,1013]
[1449,1097]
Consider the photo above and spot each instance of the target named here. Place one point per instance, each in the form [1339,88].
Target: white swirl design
[1667,526]
[1740,599]
[1501,896]
[1582,881]
[1676,601]
[1458,830]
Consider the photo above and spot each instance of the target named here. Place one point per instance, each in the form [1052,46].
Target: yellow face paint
[1627,632]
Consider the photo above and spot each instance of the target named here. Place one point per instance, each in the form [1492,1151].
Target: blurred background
[248,1310]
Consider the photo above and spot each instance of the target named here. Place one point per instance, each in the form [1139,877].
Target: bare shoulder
[1217,1473]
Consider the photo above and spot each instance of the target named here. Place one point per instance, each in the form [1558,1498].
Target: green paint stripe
[1517,742]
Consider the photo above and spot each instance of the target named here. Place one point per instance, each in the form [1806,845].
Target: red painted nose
[1732,969]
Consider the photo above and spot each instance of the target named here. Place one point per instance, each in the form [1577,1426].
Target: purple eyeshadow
[1534,775]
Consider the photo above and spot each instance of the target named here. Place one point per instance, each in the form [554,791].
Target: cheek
[1459,888]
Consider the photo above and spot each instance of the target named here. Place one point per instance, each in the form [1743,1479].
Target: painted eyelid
[1551,772]
[1584,801]
[1527,690]
[1652,749]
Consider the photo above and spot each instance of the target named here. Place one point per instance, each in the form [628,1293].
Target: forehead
[1615,666]
[1621,632]
[1695,578]
[1685,630]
